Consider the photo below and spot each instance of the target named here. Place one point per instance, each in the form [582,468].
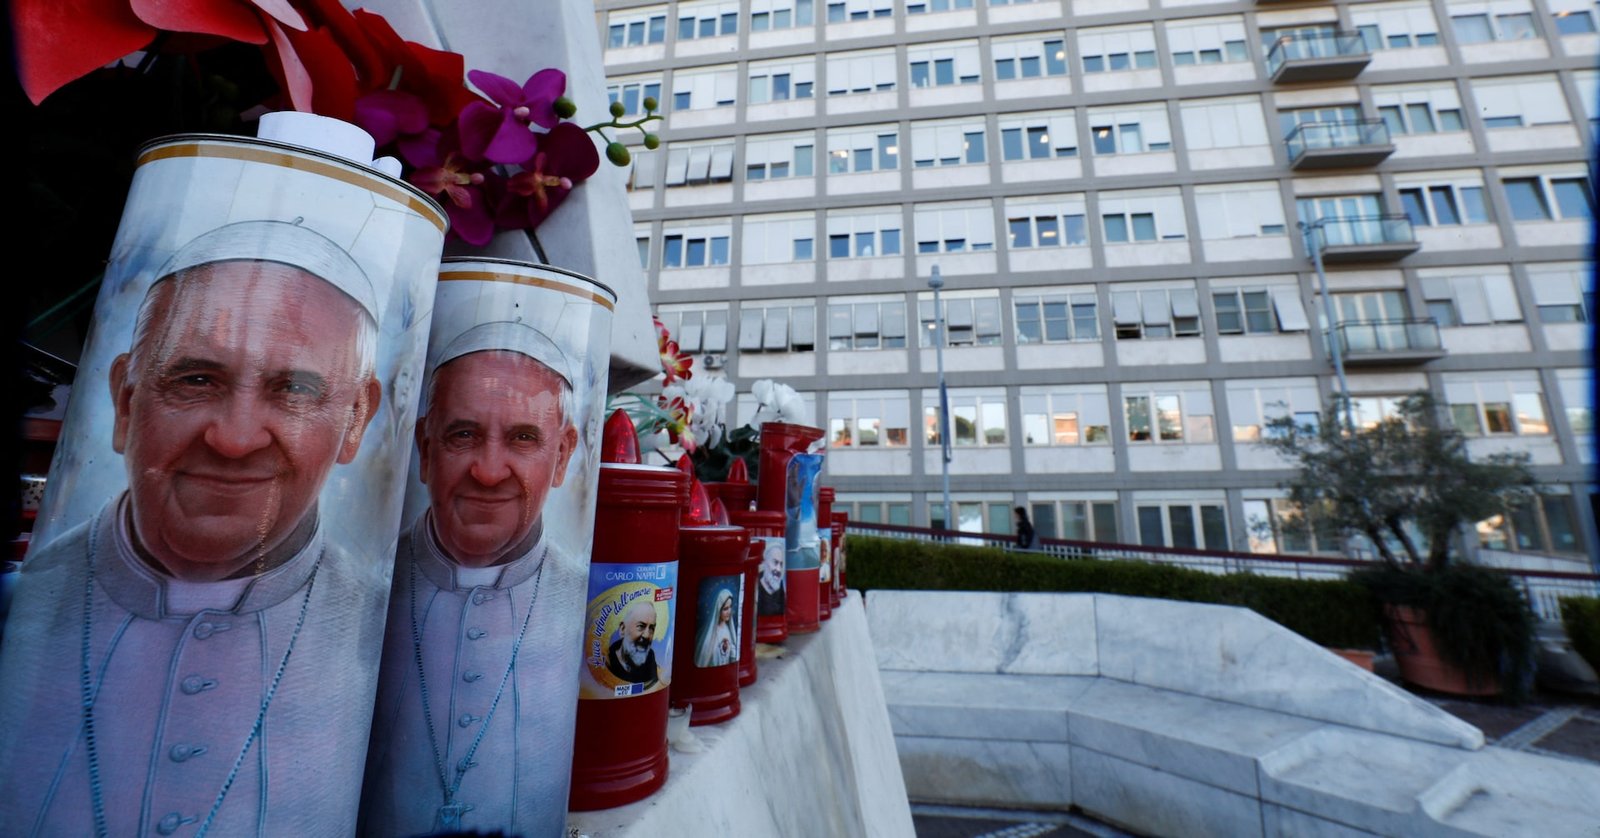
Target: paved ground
[962,822]
[1552,725]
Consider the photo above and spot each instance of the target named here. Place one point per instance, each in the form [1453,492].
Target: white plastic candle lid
[321,133]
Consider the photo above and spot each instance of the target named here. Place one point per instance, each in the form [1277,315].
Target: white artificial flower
[775,403]
[707,398]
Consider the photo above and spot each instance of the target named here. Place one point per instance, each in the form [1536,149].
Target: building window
[863,235]
[940,65]
[860,72]
[1056,317]
[869,419]
[694,247]
[1168,414]
[854,326]
[945,228]
[1521,101]
[1028,57]
[775,327]
[1066,416]
[702,89]
[1207,41]
[1240,210]
[1544,523]
[1279,526]
[977,417]
[641,170]
[1143,216]
[1132,129]
[846,11]
[633,93]
[636,28]
[1254,404]
[1113,50]
[707,20]
[969,321]
[1497,403]
[1223,123]
[1183,524]
[879,512]
[1471,300]
[1576,387]
[1444,204]
[1079,520]
[918,7]
[1572,17]
[1258,310]
[1550,197]
[781,81]
[778,157]
[871,148]
[1032,223]
[1483,28]
[697,165]
[974,516]
[1563,294]
[641,237]
[1038,136]
[780,14]
[1419,110]
[948,143]
[1396,25]
[775,239]
[697,330]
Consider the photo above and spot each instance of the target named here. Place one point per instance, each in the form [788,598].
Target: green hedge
[1331,612]
[1580,614]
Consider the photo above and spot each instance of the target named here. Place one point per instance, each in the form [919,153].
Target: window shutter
[1291,312]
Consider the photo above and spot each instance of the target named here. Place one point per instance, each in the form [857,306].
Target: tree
[1411,468]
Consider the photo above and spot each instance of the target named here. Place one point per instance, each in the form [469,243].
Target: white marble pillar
[592,231]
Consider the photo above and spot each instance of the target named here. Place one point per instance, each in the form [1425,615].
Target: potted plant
[1407,487]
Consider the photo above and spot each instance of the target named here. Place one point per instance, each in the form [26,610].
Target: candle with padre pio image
[803,553]
[193,646]
[474,720]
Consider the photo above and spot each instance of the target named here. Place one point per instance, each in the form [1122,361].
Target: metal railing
[1542,588]
[1386,228]
[1347,134]
[1412,335]
[1315,45]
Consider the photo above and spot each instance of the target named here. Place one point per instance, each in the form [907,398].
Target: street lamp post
[936,282]
[1334,346]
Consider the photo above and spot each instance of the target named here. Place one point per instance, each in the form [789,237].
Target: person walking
[1024,529]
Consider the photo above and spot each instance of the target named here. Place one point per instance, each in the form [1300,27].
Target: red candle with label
[711,596]
[620,750]
[841,522]
[825,535]
[747,617]
[737,492]
[766,535]
[780,441]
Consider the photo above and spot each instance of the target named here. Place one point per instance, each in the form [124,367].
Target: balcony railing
[1542,588]
[1366,238]
[1390,341]
[1358,142]
[1317,56]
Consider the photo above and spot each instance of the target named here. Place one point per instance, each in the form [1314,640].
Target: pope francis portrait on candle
[461,726]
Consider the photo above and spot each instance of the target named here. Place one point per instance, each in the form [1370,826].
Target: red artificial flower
[461,184]
[434,76]
[564,158]
[674,364]
[389,114]
[677,425]
[662,335]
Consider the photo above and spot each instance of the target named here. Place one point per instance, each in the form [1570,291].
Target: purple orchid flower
[389,114]
[500,132]
[564,158]
[462,185]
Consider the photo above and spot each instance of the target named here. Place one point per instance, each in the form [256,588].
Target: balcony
[1372,238]
[1338,145]
[1317,57]
[1389,342]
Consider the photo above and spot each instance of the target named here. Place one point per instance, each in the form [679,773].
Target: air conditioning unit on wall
[713,362]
